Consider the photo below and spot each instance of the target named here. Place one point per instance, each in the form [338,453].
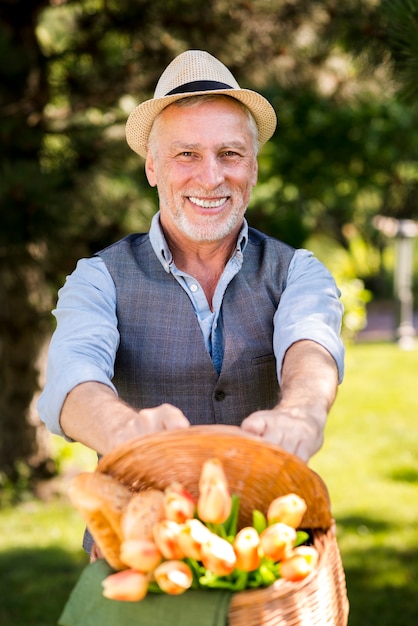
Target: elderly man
[203,320]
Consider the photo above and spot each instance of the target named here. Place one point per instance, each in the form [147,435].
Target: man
[201,320]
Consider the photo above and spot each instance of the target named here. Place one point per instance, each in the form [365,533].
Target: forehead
[218,115]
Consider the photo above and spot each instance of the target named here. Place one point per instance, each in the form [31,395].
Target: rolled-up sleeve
[309,308]
[84,344]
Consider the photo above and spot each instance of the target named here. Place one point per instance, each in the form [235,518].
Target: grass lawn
[369,463]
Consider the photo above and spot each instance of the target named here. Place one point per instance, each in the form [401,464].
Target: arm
[93,415]
[308,390]
[310,359]
[79,400]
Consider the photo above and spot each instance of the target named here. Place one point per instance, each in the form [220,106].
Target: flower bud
[193,534]
[173,577]
[142,554]
[288,509]
[214,503]
[300,563]
[127,586]
[218,556]
[277,541]
[166,539]
[246,545]
[179,504]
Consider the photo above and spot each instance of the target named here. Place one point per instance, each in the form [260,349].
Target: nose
[211,173]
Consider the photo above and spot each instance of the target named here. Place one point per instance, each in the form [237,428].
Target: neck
[205,261]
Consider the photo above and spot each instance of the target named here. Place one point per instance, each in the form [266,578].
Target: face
[203,161]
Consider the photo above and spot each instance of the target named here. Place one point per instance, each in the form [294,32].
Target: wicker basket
[258,472]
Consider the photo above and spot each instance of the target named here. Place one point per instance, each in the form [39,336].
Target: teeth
[207,204]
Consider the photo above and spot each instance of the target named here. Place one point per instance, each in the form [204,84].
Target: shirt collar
[162,251]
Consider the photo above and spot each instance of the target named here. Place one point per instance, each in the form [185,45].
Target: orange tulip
[214,503]
[218,556]
[193,534]
[288,509]
[166,539]
[277,541]
[179,504]
[141,554]
[246,545]
[300,563]
[173,577]
[127,586]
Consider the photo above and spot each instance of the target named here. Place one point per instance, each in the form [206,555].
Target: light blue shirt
[84,345]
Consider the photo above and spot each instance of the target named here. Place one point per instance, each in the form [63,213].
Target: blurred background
[340,177]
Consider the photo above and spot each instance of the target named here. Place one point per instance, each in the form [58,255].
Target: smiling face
[202,158]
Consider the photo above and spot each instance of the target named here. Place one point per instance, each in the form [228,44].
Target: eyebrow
[239,145]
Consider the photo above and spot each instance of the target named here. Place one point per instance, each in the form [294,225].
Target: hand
[292,430]
[162,417]
[146,421]
[93,415]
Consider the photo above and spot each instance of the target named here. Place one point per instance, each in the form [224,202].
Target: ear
[150,169]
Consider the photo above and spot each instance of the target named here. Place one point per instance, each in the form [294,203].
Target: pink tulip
[246,544]
[173,577]
[166,539]
[179,504]
[140,554]
[218,556]
[214,503]
[300,563]
[193,534]
[127,586]
[288,509]
[277,541]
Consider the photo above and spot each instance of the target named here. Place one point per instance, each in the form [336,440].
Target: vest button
[219,395]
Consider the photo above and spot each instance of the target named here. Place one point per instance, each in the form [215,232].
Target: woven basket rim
[257,470]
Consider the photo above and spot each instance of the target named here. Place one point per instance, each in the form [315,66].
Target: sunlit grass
[370,464]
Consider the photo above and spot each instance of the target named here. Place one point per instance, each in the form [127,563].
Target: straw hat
[193,73]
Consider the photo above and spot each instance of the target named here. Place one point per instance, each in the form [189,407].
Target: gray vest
[162,356]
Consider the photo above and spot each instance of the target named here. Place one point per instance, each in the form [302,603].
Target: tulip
[141,554]
[218,556]
[166,539]
[299,564]
[127,586]
[215,502]
[173,577]
[246,544]
[288,509]
[193,534]
[277,541]
[179,504]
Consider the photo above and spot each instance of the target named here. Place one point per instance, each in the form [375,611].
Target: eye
[231,155]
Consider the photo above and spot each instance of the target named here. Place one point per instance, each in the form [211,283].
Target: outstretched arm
[309,384]
[93,415]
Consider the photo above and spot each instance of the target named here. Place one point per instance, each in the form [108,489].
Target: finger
[255,424]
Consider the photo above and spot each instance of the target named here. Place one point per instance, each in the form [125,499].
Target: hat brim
[140,121]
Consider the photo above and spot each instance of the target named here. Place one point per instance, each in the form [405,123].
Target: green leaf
[301,537]
[259,521]
[231,524]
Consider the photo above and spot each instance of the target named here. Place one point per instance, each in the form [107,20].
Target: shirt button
[220,395]
[194,288]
